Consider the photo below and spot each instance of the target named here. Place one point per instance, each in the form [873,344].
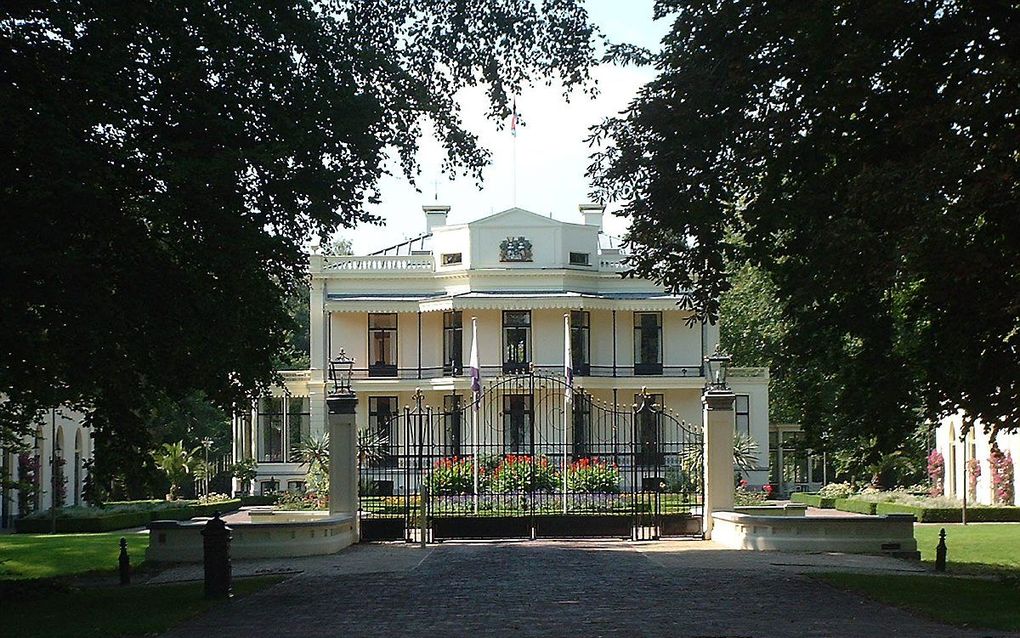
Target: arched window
[39,453]
[951,469]
[59,476]
[77,467]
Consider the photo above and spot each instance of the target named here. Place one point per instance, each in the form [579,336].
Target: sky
[551,154]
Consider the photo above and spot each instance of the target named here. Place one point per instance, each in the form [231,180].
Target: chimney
[435,216]
[592,214]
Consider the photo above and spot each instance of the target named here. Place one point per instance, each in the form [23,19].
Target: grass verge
[977,548]
[25,556]
[966,602]
[111,612]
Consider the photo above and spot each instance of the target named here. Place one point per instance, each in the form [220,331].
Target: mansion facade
[401,323]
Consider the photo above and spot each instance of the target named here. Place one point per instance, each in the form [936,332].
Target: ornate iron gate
[527,463]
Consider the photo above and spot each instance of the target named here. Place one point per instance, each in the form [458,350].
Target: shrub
[744,495]
[936,472]
[590,475]
[520,473]
[855,505]
[451,476]
[299,501]
[976,514]
[1002,476]
[836,490]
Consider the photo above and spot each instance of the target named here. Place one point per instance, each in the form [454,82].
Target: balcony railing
[379,263]
[438,372]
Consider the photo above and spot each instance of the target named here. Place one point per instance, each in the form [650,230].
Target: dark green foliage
[975,514]
[135,514]
[814,500]
[162,164]
[855,505]
[861,156]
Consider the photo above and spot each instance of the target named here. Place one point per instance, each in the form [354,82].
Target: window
[580,343]
[743,410]
[299,425]
[580,259]
[582,426]
[453,343]
[516,340]
[298,487]
[382,345]
[451,259]
[271,486]
[453,411]
[517,416]
[382,412]
[647,343]
[270,424]
[648,452]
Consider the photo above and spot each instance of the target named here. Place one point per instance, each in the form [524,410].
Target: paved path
[564,588]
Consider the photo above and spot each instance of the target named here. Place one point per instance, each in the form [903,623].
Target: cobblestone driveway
[581,589]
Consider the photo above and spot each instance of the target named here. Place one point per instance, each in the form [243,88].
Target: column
[719,422]
[343,461]
[317,321]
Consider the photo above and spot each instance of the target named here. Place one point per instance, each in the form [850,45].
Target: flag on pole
[513,120]
[568,364]
[476,373]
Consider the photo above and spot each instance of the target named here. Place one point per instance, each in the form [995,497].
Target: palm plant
[176,462]
[314,451]
[745,458]
[373,447]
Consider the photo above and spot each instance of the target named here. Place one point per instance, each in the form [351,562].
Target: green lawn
[970,602]
[977,548]
[109,612]
[45,555]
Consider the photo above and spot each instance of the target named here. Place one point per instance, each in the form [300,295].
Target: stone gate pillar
[719,423]
[343,456]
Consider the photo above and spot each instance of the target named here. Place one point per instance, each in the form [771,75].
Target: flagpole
[475,395]
[568,371]
[513,134]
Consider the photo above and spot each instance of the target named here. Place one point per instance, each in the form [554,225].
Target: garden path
[550,588]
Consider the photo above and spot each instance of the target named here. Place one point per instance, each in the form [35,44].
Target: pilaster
[719,422]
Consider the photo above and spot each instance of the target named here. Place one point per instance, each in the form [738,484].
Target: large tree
[863,156]
[163,163]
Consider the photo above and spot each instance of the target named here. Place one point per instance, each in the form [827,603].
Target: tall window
[453,343]
[270,421]
[382,412]
[299,425]
[648,432]
[647,343]
[743,413]
[516,340]
[382,345]
[453,411]
[580,343]
[517,417]
[582,426]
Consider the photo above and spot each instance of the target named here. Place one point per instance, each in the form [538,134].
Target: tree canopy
[164,163]
[863,157]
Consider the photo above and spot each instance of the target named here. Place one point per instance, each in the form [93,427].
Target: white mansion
[405,315]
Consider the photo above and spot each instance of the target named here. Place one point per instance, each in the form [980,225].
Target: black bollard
[940,552]
[216,557]
[125,563]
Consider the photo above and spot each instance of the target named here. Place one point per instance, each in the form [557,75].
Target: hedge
[104,521]
[268,499]
[976,514]
[814,500]
[855,505]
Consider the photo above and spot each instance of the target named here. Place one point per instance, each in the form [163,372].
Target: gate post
[717,475]
[343,457]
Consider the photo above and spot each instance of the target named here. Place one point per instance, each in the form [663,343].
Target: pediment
[516,217]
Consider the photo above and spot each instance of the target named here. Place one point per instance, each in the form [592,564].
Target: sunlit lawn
[109,612]
[991,550]
[977,548]
[47,555]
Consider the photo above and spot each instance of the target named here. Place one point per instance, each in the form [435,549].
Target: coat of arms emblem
[515,249]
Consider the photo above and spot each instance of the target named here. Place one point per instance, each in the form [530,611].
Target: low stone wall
[283,534]
[787,509]
[892,535]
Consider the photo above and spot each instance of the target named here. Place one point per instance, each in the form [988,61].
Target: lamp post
[717,366]
[207,444]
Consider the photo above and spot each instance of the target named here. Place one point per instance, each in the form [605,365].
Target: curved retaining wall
[892,534]
[288,534]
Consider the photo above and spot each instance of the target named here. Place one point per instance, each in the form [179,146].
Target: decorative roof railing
[379,263]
